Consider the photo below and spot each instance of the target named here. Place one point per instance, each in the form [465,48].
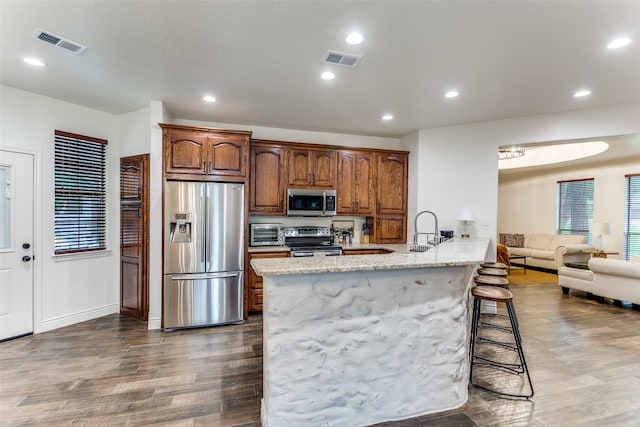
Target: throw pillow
[512,240]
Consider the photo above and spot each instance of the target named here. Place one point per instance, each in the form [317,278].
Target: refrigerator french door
[203,254]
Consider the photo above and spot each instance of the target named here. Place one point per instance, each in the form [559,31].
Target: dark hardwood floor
[584,359]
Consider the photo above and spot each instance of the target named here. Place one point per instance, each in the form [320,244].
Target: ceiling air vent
[339,58]
[61,42]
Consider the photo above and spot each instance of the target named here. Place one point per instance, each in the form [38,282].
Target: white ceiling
[262,59]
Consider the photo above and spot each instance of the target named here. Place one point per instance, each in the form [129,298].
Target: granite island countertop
[451,253]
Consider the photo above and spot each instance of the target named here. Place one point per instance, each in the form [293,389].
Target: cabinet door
[299,168]
[267,174]
[391,229]
[255,281]
[363,188]
[185,152]
[323,169]
[346,182]
[227,155]
[392,183]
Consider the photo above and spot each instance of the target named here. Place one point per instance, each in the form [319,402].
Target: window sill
[81,255]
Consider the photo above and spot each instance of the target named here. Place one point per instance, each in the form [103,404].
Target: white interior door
[16,244]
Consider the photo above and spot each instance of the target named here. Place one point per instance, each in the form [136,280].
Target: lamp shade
[600,228]
[466,215]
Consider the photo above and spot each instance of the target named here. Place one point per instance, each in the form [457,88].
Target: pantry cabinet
[355,183]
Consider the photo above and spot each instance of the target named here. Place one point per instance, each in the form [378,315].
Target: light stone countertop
[453,252]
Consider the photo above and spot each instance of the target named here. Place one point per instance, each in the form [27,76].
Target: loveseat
[550,251]
[606,278]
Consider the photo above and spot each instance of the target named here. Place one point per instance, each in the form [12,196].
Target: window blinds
[80,193]
[632,216]
[575,207]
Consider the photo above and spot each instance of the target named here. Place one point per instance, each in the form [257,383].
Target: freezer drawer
[192,300]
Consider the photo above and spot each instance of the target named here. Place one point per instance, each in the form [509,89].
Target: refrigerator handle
[204,198]
[203,276]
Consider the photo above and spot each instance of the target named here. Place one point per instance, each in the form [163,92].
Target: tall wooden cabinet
[268,171]
[355,183]
[204,153]
[390,225]
[312,168]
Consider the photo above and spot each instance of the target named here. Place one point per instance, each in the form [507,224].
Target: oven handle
[301,254]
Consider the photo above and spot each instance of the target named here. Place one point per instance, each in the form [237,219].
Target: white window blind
[632,216]
[80,193]
[575,207]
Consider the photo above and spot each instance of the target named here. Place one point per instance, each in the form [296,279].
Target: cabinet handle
[309,179]
[378,207]
[357,206]
[313,179]
[204,166]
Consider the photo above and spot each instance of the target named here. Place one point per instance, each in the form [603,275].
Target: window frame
[80,181]
[631,182]
[560,215]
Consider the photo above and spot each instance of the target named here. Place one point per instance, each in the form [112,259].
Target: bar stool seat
[485,280]
[498,295]
[494,265]
[499,272]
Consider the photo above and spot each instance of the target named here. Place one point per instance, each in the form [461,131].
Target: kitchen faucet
[436,238]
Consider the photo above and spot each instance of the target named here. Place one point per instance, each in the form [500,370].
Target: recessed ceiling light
[451,94]
[387,117]
[209,98]
[354,38]
[34,61]
[582,93]
[623,41]
[328,75]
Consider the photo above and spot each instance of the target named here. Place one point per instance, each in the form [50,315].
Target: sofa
[550,251]
[606,278]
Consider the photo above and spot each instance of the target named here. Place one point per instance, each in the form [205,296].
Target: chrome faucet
[436,233]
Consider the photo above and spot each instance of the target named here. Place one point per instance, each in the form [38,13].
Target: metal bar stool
[499,295]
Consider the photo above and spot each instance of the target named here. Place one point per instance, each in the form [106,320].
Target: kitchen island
[357,340]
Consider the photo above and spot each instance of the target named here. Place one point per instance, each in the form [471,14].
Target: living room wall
[527,204]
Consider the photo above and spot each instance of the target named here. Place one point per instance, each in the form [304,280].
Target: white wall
[134,133]
[76,289]
[528,204]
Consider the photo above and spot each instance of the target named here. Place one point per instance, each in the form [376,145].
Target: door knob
[26,258]
[26,246]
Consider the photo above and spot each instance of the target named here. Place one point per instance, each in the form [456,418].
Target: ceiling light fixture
[209,98]
[34,61]
[354,38]
[582,93]
[387,117]
[615,44]
[451,94]
[510,152]
[328,75]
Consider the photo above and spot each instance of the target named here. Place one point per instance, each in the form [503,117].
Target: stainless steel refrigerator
[203,254]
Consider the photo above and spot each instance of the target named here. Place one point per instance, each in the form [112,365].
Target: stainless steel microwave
[266,234]
[303,202]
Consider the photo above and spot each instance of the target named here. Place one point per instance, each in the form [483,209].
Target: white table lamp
[466,217]
[598,231]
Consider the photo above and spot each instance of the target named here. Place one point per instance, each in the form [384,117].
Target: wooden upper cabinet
[227,154]
[205,153]
[392,180]
[267,172]
[312,168]
[185,152]
[355,182]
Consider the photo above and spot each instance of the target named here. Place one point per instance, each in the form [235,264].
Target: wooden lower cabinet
[365,251]
[390,229]
[255,281]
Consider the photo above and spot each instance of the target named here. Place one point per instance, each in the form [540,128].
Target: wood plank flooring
[584,359]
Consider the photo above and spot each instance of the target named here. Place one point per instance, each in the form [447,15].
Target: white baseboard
[82,316]
[154,323]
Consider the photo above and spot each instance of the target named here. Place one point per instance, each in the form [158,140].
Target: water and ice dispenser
[180,227]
